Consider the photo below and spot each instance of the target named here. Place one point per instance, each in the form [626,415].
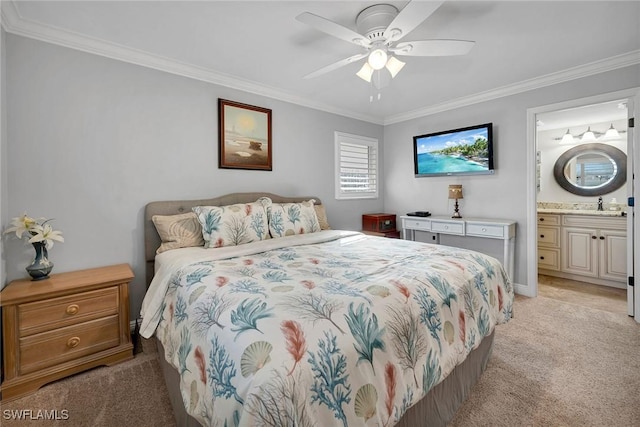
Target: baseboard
[523,290]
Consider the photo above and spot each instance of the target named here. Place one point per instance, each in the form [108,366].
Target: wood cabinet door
[613,255]
[580,251]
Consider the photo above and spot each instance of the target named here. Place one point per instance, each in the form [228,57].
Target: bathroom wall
[550,149]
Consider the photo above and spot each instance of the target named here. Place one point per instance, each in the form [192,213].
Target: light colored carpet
[559,364]
[131,393]
[554,364]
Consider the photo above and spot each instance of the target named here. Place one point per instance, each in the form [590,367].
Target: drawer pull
[484,229]
[542,236]
[72,309]
[601,237]
[594,237]
[541,257]
[446,227]
[73,342]
[541,219]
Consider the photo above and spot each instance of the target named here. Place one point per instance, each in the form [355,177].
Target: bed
[316,326]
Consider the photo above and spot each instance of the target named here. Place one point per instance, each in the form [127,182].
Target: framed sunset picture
[245,136]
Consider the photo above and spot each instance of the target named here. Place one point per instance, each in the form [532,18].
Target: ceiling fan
[380,29]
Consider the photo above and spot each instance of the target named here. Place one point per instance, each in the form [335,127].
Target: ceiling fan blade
[336,65]
[409,18]
[333,29]
[433,48]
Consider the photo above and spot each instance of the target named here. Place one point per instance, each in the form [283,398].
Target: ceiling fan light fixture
[365,72]
[377,59]
[612,133]
[394,65]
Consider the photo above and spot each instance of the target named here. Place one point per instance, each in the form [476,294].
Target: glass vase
[41,266]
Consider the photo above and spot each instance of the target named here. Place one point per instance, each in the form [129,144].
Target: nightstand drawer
[61,345]
[46,315]
[485,230]
[447,227]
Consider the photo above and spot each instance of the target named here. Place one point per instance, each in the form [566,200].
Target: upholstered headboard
[152,239]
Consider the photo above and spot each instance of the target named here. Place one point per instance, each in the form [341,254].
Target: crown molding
[12,22]
[15,24]
[596,67]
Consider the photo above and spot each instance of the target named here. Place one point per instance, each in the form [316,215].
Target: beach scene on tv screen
[462,151]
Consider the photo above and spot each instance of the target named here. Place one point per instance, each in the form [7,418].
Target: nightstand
[63,325]
[380,224]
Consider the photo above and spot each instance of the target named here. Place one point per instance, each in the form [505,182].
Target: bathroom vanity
[589,246]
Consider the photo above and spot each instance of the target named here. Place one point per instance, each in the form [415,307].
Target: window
[356,166]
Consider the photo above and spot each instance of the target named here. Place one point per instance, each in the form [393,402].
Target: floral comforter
[326,329]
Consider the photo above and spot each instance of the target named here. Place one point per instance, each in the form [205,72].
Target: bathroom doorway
[580,150]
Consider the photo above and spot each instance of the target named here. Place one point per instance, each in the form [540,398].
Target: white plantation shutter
[356,166]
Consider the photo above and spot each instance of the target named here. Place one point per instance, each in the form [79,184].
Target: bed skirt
[437,408]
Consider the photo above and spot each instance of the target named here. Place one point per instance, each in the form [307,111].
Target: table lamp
[455,192]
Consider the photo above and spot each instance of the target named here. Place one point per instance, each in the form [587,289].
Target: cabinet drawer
[46,315]
[447,227]
[415,224]
[549,236]
[548,219]
[485,230]
[549,258]
[586,221]
[54,347]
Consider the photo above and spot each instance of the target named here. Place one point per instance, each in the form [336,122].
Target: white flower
[21,225]
[34,230]
[46,234]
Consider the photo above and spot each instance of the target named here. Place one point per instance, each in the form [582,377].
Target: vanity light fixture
[612,133]
[455,193]
[567,138]
[588,136]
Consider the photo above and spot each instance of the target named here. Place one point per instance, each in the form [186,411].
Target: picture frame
[245,136]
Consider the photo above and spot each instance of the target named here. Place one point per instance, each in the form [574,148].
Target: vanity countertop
[582,212]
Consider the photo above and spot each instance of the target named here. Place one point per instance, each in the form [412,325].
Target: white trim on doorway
[531,289]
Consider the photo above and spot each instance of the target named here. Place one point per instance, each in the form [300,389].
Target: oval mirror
[591,169]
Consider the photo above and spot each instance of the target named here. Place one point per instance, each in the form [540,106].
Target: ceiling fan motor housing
[374,20]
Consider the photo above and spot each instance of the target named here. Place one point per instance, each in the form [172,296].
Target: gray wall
[503,195]
[3,151]
[92,140]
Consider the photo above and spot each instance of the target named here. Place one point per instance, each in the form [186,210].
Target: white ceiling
[261,47]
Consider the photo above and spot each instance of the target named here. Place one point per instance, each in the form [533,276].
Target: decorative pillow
[234,225]
[178,231]
[321,213]
[286,219]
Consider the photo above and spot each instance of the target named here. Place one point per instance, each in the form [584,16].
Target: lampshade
[588,135]
[611,133]
[365,72]
[455,191]
[394,66]
[377,59]
[567,138]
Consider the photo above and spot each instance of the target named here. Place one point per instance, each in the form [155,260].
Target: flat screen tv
[464,151]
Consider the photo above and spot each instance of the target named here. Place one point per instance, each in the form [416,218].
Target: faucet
[600,204]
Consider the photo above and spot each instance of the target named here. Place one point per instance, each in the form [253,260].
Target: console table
[502,229]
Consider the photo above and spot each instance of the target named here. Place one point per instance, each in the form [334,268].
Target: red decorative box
[379,222]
